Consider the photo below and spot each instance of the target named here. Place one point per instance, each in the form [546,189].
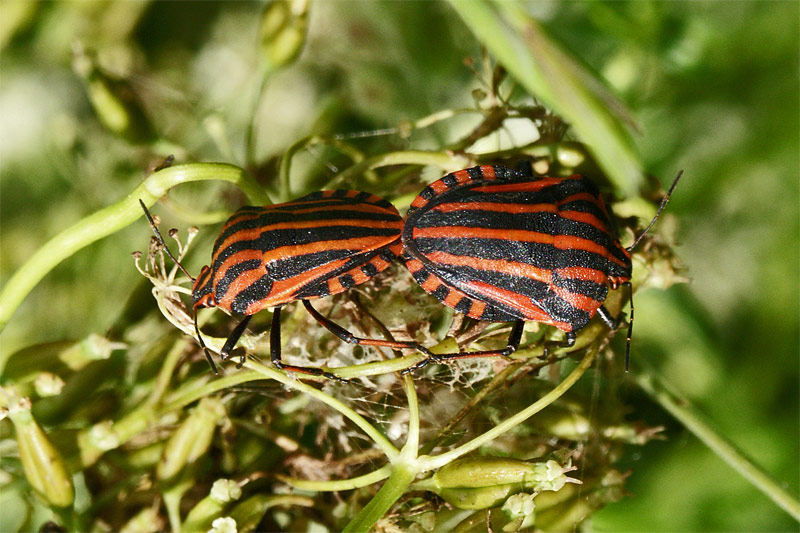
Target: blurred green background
[713,87]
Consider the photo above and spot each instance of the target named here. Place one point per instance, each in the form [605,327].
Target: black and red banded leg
[514,338]
[349,338]
[275,353]
[613,324]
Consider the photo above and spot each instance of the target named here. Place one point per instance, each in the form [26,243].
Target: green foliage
[97,376]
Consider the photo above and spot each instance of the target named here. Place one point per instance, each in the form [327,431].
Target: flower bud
[284,25]
[44,466]
[519,510]
[483,482]
[145,521]
[192,438]
[564,423]
[566,509]
[223,525]
[48,384]
[223,491]
[114,100]
[249,513]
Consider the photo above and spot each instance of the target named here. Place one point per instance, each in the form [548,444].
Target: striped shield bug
[318,245]
[502,245]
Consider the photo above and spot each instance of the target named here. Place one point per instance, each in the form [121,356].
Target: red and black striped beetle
[315,246]
[502,245]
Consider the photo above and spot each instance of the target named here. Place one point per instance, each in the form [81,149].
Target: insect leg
[233,338]
[606,317]
[349,338]
[275,352]
[613,324]
[514,338]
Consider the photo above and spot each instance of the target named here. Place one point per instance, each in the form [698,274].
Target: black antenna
[630,248]
[630,330]
[664,203]
[161,240]
[178,263]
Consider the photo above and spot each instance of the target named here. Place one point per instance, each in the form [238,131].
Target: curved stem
[499,379]
[411,447]
[111,219]
[342,484]
[694,421]
[286,161]
[432,462]
[380,440]
[202,387]
[250,133]
[403,474]
[448,162]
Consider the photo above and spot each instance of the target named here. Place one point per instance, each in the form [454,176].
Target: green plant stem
[548,72]
[694,421]
[250,133]
[411,447]
[111,219]
[499,379]
[403,473]
[407,465]
[432,462]
[380,440]
[448,162]
[167,368]
[341,484]
[286,161]
[202,387]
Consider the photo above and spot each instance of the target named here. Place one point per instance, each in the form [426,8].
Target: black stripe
[476,173]
[493,313]
[421,276]
[441,292]
[544,256]
[594,290]
[369,270]
[254,292]
[464,305]
[273,216]
[347,281]
[450,180]
[319,287]
[221,287]
[270,240]
[298,264]
[386,254]
[543,222]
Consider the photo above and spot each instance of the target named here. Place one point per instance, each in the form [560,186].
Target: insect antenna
[203,344]
[664,203]
[161,240]
[179,265]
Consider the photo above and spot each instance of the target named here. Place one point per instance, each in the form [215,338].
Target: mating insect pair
[494,243]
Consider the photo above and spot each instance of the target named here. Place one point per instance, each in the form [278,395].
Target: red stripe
[520,186]
[584,274]
[513,268]
[496,207]
[521,303]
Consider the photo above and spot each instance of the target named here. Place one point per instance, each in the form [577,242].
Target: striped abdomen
[500,246]
[317,245]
